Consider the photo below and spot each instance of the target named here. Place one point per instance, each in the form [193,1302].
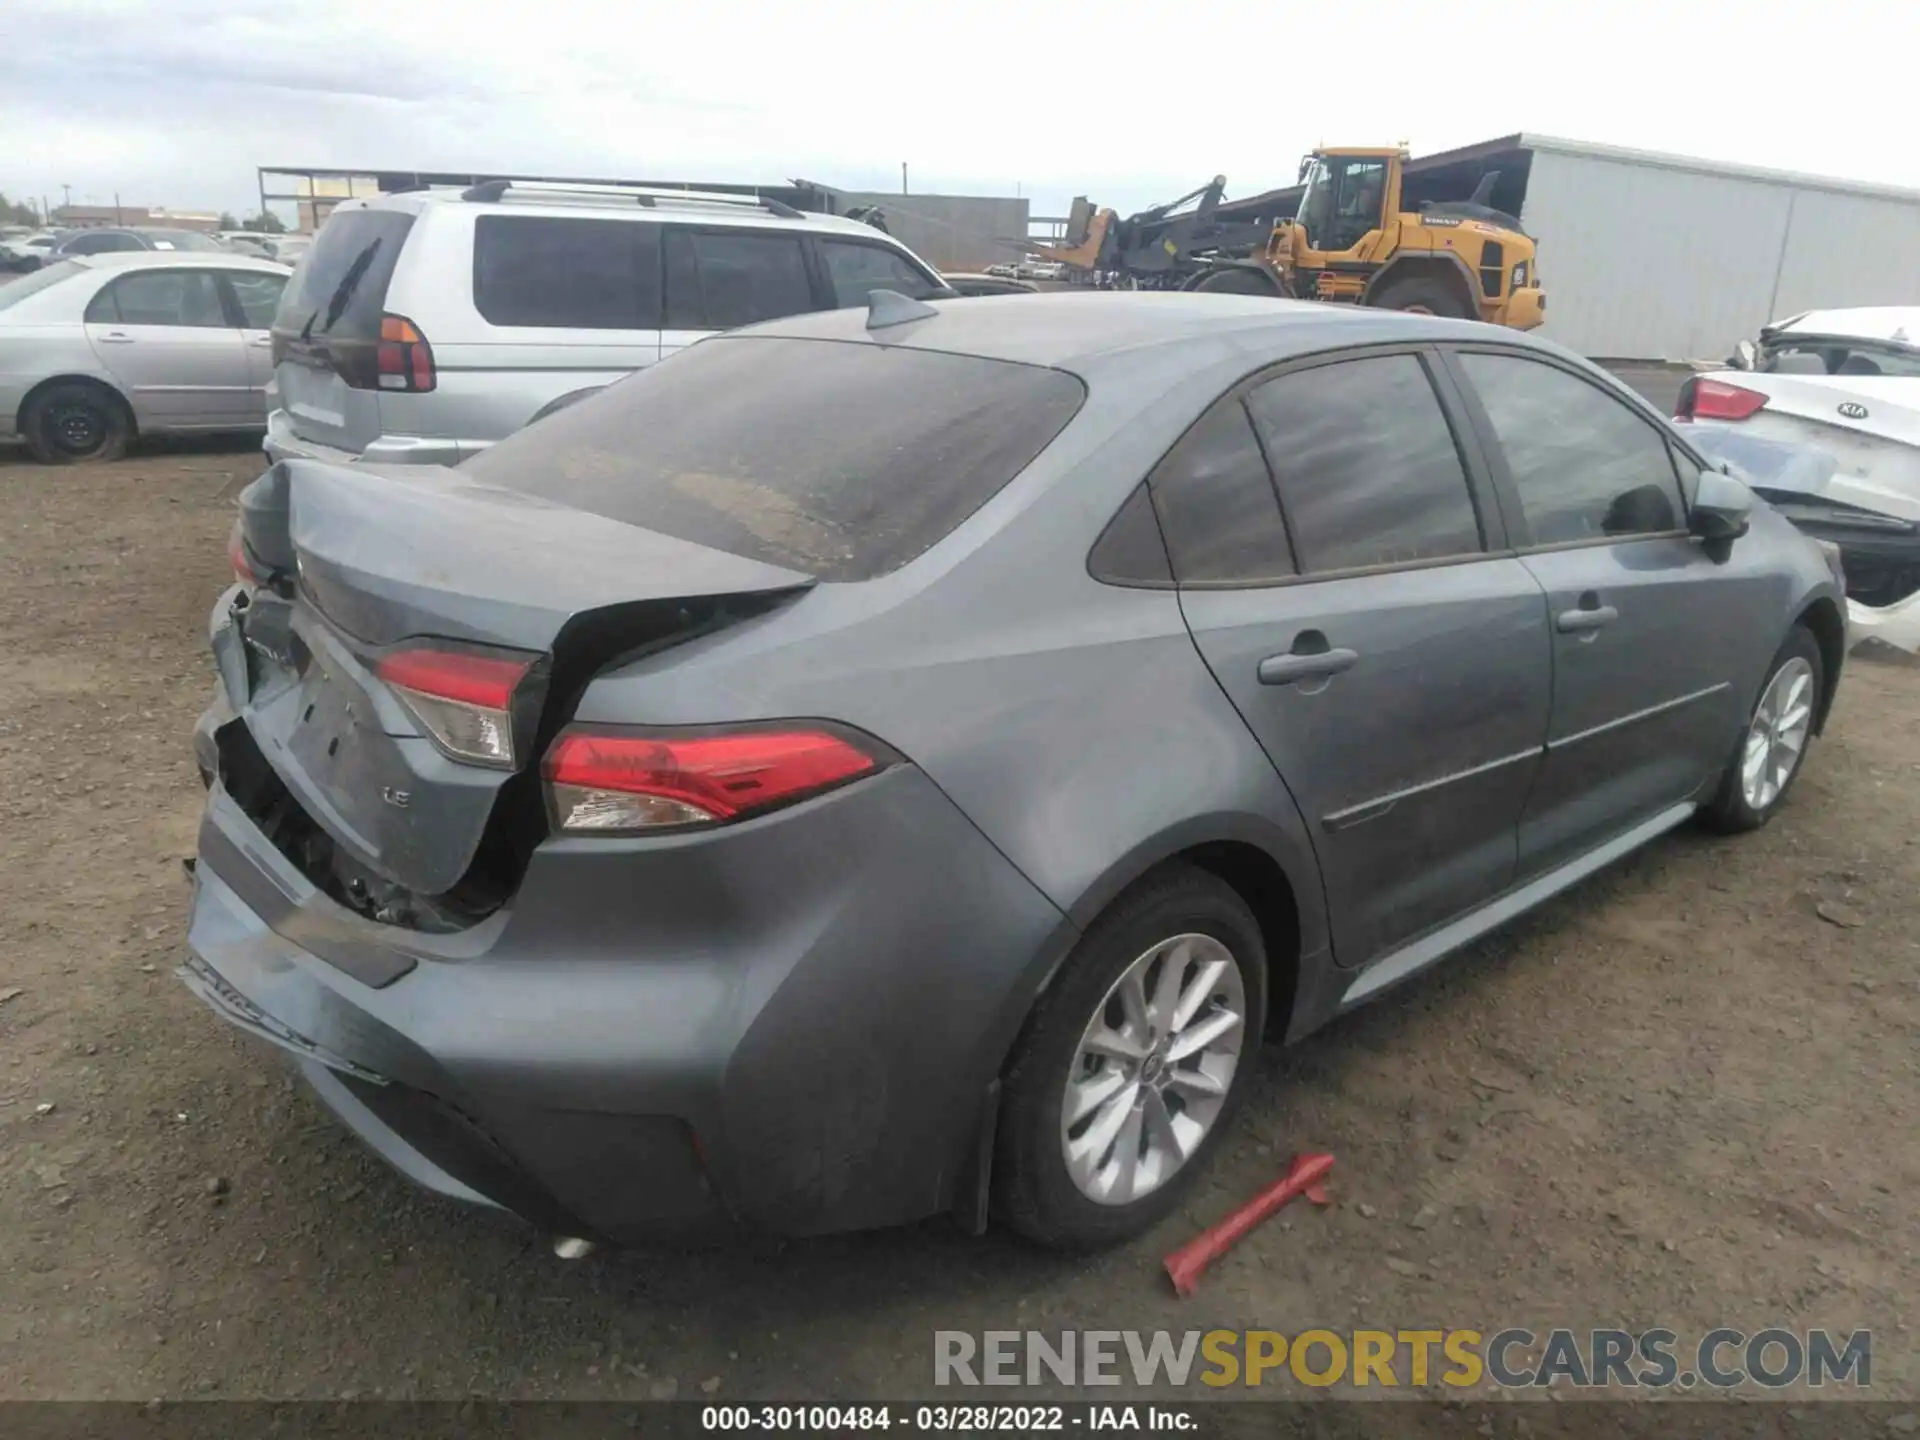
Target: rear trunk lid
[359,563]
[327,329]
[1870,425]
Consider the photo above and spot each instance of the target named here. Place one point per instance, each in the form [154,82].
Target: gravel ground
[1678,1096]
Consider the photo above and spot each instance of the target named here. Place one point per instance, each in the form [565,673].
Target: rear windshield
[18,290]
[340,286]
[841,460]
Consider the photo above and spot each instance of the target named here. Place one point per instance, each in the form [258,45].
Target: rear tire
[1237,281]
[76,420]
[1422,295]
[1168,1100]
[1773,743]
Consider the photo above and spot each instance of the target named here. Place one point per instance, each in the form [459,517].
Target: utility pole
[903,177]
[66,197]
[116,208]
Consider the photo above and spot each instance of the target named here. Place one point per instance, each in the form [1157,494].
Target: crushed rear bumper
[789,1024]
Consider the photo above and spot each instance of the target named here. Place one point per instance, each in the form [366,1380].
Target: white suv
[423,326]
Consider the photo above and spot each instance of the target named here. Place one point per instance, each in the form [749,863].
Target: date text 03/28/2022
[937,1419]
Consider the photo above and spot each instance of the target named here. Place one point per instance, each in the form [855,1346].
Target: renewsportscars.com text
[1513,1358]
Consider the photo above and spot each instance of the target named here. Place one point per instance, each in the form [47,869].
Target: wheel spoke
[1133,1001]
[1126,1151]
[1159,1127]
[1796,717]
[1112,1044]
[1197,993]
[1196,1038]
[1196,1082]
[1086,1096]
[1113,1115]
[1166,987]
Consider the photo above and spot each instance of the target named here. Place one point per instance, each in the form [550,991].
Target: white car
[96,349]
[1848,383]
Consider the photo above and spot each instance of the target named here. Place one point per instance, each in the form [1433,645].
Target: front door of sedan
[1649,630]
[1395,672]
[166,337]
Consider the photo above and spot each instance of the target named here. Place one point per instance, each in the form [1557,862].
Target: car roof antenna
[890,307]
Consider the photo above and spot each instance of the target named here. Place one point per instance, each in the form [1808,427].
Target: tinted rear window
[841,460]
[340,287]
[531,270]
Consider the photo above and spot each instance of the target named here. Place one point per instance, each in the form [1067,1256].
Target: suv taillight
[404,359]
[608,781]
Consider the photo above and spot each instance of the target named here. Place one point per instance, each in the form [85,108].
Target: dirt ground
[1678,1096]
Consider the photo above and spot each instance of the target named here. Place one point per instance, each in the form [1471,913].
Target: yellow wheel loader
[1348,242]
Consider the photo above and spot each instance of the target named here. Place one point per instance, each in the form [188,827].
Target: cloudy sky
[174,102]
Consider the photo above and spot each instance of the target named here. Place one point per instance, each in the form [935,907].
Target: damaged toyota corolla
[878,764]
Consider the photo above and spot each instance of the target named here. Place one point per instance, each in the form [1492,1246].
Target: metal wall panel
[1650,263]
[1646,260]
[1849,250]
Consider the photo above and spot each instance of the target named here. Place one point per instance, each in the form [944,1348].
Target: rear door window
[259,296]
[1366,464]
[1217,507]
[856,270]
[340,288]
[181,298]
[1585,465]
[566,273]
[857,458]
[721,279]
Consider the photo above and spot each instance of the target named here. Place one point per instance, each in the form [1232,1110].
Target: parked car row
[29,251]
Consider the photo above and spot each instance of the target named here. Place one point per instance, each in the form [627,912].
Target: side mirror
[1722,507]
[1746,356]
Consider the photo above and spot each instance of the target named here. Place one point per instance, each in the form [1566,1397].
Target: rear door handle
[114,337]
[1289,668]
[1572,622]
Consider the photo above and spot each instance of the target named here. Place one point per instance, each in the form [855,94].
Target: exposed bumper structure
[789,1024]
[1897,624]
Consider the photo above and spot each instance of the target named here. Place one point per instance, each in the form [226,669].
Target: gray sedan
[96,350]
[876,764]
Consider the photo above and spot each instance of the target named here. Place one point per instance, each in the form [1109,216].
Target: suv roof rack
[493,191]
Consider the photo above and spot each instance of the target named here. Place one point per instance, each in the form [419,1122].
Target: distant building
[99,217]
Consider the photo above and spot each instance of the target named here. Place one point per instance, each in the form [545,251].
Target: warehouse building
[1662,257]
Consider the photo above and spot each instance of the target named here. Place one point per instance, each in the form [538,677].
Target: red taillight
[615,781]
[1717,400]
[237,556]
[404,359]
[463,700]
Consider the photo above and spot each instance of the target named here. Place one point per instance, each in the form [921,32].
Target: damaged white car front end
[1822,417]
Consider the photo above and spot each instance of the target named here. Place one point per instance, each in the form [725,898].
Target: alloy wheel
[1153,1069]
[1778,734]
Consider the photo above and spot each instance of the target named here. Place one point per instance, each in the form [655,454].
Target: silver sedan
[95,350]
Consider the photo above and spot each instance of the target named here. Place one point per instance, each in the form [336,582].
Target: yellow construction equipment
[1348,242]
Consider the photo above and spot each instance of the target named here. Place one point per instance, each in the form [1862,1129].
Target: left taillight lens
[1704,399]
[403,360]
[463,700]
[612,782]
